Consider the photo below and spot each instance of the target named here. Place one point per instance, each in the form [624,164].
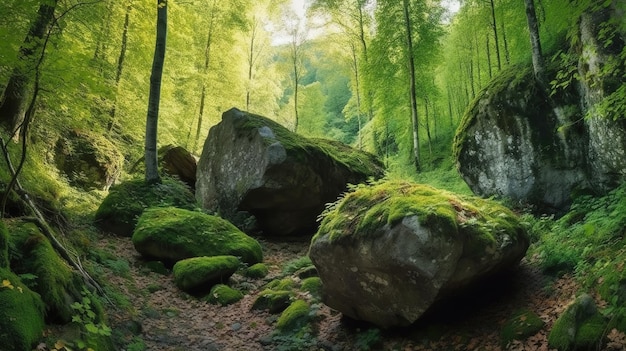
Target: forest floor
[172,320]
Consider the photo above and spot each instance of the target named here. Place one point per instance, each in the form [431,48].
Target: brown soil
[175,321]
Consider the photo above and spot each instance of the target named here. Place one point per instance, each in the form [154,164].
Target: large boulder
[88,160]
[172,234]
[251,163]
[516,141]
[387,252]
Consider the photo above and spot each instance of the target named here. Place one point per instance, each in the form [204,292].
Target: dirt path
[171,320]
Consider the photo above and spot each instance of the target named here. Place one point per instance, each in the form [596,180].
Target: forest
[312,175]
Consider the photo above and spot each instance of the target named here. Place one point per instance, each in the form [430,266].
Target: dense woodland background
[337,69]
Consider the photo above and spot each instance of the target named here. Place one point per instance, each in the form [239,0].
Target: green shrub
[22,322]
[296,264]
[119,211]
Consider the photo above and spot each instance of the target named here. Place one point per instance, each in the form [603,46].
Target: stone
[516,142]
[223,295]
[580,327]
[89,161]
[251,163]
[172,234]
[386,252]
[178,162]
[197,273]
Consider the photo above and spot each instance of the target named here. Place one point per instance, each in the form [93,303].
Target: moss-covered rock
[119,211]
[580,327]
[251,163]
[202,272]
[411,244]
[224,295]
[257,271]
[274,301]
[296,316]
[4,246]
[21,314]
[172,234]
[520,326]
[52,278]
[89,160]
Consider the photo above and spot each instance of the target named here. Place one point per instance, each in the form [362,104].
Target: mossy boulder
[172,234]
[312,285]
[197,273]
[51,277]
[273,301]
[251,163]
[22,314]
[222,294]
[257,271]
[4,246]
[119,211]
[580,327]
[411,244]
[521,325]
[296,316]
[89,160]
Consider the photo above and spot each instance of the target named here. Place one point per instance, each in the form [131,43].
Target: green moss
[580,327]
[369,208]
[274,301]
[157,267]
[202,272]
[297,264]
[258,270]
[313,285]
[22,324]
[523,324]
[54,280]
[296,316]
[172,234]
[224,295]
[119,211]
[4,245]
[281,284]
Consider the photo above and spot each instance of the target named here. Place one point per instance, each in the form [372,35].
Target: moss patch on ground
[257,271]
[172,234]
[369,208]
[296,316]
[22,322]
[202,272]
[521,325]
[119,211]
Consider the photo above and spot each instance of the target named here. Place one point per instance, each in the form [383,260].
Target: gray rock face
[250,163]
[386,253]
[518,143]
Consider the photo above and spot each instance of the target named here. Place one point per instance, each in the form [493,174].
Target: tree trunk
[369,94]
[152,119]
[355,67]
[120,63]
[17,92]
[295,60]
[507,54]
[252,57]
[413,89]
[489,57]
[495,33]
[535,43]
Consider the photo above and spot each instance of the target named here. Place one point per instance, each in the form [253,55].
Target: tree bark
[413,89]
[17,91]
[535,43]
[120,63]
[357,78]
[152,119]
[495,33]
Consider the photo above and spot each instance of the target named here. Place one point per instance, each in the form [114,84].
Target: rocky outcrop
[177,161]
[89,161]
[251,163]
[385,253]
[516,141]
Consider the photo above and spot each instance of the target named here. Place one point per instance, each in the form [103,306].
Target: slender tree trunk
[470,74]
[494,25]
[17,92]
[355,67]
[251,60]
[120,63]
[489,57]
[100,53]
[295,61]
[152,119]
[450,114]
[478,73]
[207,61]
[507,54]
[427,127]
[413,88]
[535,43]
